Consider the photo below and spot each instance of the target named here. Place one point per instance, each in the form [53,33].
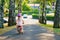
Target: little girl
[20,23]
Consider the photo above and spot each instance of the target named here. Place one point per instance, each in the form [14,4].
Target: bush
[35,11]
[29,12]
[35,16]
[50,18]
[24,12]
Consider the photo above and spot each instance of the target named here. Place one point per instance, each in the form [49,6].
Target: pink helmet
[19,15]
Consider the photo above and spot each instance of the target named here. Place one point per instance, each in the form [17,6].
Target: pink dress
[20,23]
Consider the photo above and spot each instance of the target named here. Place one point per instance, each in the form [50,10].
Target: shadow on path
[31,32]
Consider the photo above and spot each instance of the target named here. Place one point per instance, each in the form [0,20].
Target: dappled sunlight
[3,37]
[31,32]
[45,36]
[29,19]
[39,35]
[5,24]
[27,38]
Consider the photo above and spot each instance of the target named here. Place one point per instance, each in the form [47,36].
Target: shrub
[35,16]
[24,12]
[35,11]
[29,12]
[50,18]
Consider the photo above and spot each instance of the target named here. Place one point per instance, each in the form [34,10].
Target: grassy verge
[6,28]
[50,27]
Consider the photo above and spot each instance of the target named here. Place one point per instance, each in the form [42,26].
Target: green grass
[50,27]
[6,28]
[56,30]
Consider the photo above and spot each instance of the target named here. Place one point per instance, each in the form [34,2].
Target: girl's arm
[23,21]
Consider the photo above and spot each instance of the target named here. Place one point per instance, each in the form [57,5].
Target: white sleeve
[22,17]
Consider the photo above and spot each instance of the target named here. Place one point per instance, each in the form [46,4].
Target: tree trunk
[43,13]
[1,13]
[20,6]
[57,15]
[12,18]
[43,17]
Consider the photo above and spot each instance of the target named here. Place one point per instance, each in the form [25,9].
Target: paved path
[32,31]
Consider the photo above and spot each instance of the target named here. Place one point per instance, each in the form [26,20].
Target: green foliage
[16,12]
[48,9]
[6,15]
[35,16]
[6,6]
[6,3]
[29,12]
[35,1]
[24,12]
[50,16]
[25,7]
[35,10]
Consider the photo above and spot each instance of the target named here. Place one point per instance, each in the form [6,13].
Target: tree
[35,1]
[12,19]
[42,18]
[20,6]
[1,13]
[6,3]
[6,7]
[25,6]
[57,15]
